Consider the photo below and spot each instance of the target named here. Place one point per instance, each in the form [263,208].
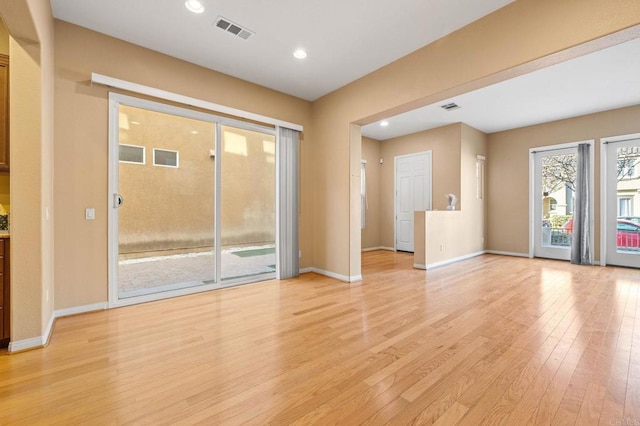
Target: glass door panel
[166,218]
[247,204]
[623,203]
[554,197]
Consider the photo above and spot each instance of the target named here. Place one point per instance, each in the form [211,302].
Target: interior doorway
[412,193]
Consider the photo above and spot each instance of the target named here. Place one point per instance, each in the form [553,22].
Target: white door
[413,193]
[552,199]
[622,208]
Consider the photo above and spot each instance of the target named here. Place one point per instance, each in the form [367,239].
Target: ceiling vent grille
[233,28]
[450,107]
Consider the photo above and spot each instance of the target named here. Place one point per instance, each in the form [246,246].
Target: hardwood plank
[491,340]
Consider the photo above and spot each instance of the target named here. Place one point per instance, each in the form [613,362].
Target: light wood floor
[492,340]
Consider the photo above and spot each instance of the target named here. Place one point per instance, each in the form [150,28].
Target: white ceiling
[600,81]
[345,39]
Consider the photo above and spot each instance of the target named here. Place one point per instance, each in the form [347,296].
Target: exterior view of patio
[167,221]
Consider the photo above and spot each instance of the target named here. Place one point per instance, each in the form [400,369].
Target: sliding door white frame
[115,100]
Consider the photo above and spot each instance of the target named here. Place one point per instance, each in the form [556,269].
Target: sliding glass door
[164,201]
[248,212]
[622,211]
[193,201]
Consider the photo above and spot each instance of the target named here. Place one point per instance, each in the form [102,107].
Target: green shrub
[558,220]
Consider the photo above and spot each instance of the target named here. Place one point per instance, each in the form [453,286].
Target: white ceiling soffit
[600,81]
[345,40]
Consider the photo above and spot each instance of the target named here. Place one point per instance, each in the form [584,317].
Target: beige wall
[474,208]
[503,44]
[508,171]
[30,24]
[444,142]
[248,190]
[81,144]
[444,235]
[371,152]
[166,208]
[169,208]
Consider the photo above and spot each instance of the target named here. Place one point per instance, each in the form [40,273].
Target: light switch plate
[90,214]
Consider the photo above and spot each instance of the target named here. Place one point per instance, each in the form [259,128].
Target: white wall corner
[330,274]
[26,344]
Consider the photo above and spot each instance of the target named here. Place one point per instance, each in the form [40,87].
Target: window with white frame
[165,158]
[625,206]
[133,154]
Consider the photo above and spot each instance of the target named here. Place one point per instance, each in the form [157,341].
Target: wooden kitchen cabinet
[5,278]
[4,113]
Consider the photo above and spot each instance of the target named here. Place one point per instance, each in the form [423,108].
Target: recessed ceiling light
[300,53]
[384,123]
[194,132]
[194,6]
[135,122]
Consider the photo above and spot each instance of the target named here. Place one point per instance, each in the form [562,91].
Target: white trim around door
[420,165]
[608,205]
[536,248]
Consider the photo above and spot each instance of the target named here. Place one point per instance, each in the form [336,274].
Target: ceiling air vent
[450,107]
[235,29]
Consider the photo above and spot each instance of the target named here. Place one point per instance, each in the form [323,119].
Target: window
[131,154]
[165,158]
[624,206]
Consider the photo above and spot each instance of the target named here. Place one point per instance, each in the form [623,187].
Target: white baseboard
[23,345]
[345,278]
[34,342]
[454,260]
[306,270]
[40,341]
[81,309]
[378,248]
[419,266]
[49,329]
[507,253]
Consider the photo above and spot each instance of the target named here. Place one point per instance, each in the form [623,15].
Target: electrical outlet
[90,214]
